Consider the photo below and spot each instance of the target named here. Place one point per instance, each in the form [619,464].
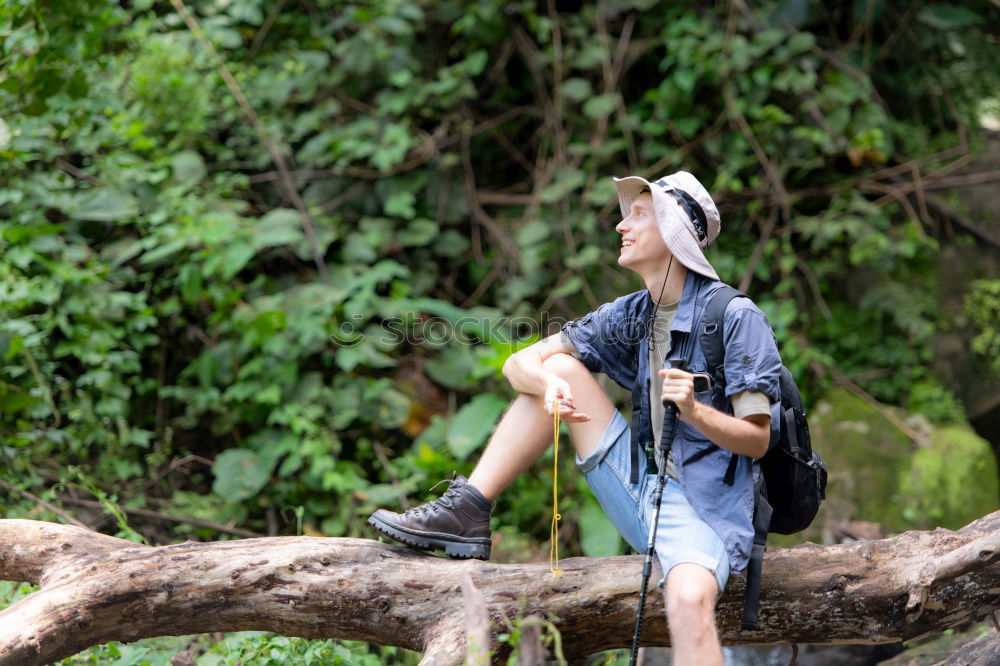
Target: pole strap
[556,517]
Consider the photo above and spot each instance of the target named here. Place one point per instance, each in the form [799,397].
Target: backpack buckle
[711,327]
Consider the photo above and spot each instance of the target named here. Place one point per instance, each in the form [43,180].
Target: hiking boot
[458,522]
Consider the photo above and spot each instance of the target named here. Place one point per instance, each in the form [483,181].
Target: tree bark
[96,588]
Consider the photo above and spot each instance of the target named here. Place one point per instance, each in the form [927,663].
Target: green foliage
[982,307]
[270,650]
[11,593]
[951,482]
[550,637]
[598,536]
[163,296]
[240,474]
[472,424]
[242,648]
[878,473]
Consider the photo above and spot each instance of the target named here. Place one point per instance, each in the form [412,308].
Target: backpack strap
[789,426]
[710,332]
[634,445]
[710,335]
[761,520]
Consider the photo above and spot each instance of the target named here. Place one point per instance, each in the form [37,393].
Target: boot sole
[453,546]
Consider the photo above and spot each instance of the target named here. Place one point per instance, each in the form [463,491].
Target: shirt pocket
[700,450]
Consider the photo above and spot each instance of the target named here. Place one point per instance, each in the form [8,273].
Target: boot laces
[447,500]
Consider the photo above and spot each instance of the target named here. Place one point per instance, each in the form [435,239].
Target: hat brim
[671,221]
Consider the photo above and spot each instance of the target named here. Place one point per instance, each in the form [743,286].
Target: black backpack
[793,476]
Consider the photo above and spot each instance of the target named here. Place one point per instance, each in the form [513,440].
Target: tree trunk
[95,588]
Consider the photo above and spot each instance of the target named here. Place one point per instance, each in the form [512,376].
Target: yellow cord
[554,533]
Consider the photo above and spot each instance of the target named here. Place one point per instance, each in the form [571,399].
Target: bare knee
[564,366]
[689,601]
[691,594]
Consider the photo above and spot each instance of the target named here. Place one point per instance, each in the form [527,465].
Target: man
[705,528]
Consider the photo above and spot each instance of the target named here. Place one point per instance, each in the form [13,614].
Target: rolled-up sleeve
[752,359]
[604,341]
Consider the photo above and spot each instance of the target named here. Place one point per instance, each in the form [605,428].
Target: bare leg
[525,430]
[691,593]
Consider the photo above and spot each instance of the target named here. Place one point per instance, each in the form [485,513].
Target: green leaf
[570,286]
[240,474]
[162,251]
[587,256]
[476,62]
[419,232]
[598,536]
[948,17]
[394,25]
[281,226]
[401,204]
[801,41]
[118,252]
[103,204]
[390,150]
[391,409]
[576,89]
[602,105]
[381,494]
[473,423]
[188,166]
[452,367]
[14,345]
[14,399]
[567,180]
[234,258]
[433,435]
[190,279]
[532,233]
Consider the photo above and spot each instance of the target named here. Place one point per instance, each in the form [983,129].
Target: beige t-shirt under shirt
[659,349]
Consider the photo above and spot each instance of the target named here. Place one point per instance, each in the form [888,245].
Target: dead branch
[43,504]
[96,588]
[157,515]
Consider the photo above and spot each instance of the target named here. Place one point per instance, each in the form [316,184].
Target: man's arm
[748,436]
[752,364]
[526,374]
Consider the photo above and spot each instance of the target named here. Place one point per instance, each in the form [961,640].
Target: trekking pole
[666,442]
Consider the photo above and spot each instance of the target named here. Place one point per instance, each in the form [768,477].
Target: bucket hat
[685,215]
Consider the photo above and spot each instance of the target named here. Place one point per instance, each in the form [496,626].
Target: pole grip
[678,364]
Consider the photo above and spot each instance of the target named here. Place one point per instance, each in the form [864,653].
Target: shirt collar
[684,319]
[695,286]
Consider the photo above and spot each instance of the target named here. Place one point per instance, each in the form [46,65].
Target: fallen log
[95,588]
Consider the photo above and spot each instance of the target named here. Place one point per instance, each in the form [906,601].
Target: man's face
[642,246]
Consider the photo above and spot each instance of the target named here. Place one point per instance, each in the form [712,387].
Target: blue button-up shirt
[614,339]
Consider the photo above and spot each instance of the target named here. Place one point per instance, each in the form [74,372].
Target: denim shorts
[681,535]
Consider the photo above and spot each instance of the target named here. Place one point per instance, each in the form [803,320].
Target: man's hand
[557,393]
[678,388]
[748,436]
